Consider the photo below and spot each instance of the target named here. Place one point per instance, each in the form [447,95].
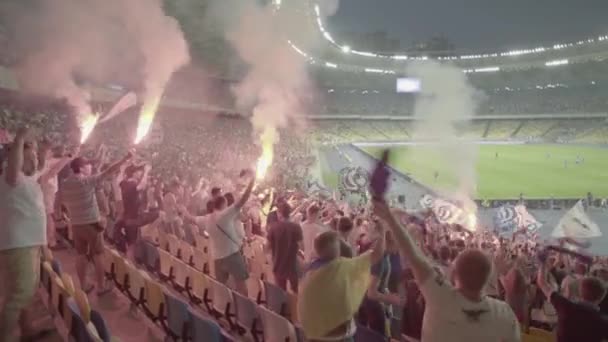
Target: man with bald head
[458,312]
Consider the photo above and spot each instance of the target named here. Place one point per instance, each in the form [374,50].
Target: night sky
[476,24]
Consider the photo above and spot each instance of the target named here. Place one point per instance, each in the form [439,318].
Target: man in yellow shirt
[333,288]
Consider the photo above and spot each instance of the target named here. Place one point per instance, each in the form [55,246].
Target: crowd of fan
[351,266]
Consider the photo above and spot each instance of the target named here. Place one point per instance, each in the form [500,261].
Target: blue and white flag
[576,224]
[509,219]
[445,212]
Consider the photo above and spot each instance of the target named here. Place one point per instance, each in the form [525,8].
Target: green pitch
[537,171]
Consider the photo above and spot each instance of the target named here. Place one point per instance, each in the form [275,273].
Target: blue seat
[151,256]
[178,318]
[79,331]
[204,329]
[276,298]
[56,266]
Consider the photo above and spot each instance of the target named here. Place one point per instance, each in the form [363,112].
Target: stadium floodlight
[331,65]
[400,57]
[557,62]
[345,49]
[364,53]
[487,69]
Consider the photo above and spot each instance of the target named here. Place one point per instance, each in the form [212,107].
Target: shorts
[88,240]
[233,265]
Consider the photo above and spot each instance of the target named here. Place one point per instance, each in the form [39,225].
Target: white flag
[576,224]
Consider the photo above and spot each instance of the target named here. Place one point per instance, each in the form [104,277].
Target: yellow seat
[186,251]
[56,292]
[180,274]
[108,261]
[155,300]
[137,284]
[120,271]
[532,338]
[68,284]
[197,285]
[162,239]
[83,305]
[544,335]
[202,243]
[166,264]
[200,260]
[172,244]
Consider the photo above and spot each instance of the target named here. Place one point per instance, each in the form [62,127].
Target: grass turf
[537,171]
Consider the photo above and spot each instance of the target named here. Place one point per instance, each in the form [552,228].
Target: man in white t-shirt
[455,313]
[22,234]
[311,228]
[226,238]
[49,187]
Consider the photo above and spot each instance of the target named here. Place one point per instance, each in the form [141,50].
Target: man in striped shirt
[78,195]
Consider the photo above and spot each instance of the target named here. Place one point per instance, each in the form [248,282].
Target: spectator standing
[79,196]
[577,321]
[311,228]
[285,240]
[227,242]
[455,313]
[22,235]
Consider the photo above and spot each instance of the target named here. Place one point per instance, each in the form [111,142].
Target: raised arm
[116,166]
[380,245]
[246,194]
[15,156]
[59,165]
[421,267]
[143,183]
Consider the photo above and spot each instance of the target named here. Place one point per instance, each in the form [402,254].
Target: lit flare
[265,159]
[86,126]
[146,118]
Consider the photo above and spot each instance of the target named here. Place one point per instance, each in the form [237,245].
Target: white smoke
[111,41]
[276,80]
[446,101]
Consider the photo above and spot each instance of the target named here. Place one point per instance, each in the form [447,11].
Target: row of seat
[178,262]
[242,315]
[70,304]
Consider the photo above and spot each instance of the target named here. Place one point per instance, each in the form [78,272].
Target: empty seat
[173,245]
[180,275]
[137,285]
[162,239]
[108,262]
[197,288]
[154,304]
[177,318]
[275,327]
[120,272]
[246,315]
[186,251]
[221,301]
[204,329]
[151,256]
[255,289]
[275,298]
[166,265]
[200,260]
[202,243]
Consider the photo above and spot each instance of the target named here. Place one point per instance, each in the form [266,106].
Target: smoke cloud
[276,79]
[63,45]
[446,102]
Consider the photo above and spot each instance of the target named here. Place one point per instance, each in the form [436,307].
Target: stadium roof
[338,55]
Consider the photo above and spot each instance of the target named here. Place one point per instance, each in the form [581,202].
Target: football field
[505,171]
